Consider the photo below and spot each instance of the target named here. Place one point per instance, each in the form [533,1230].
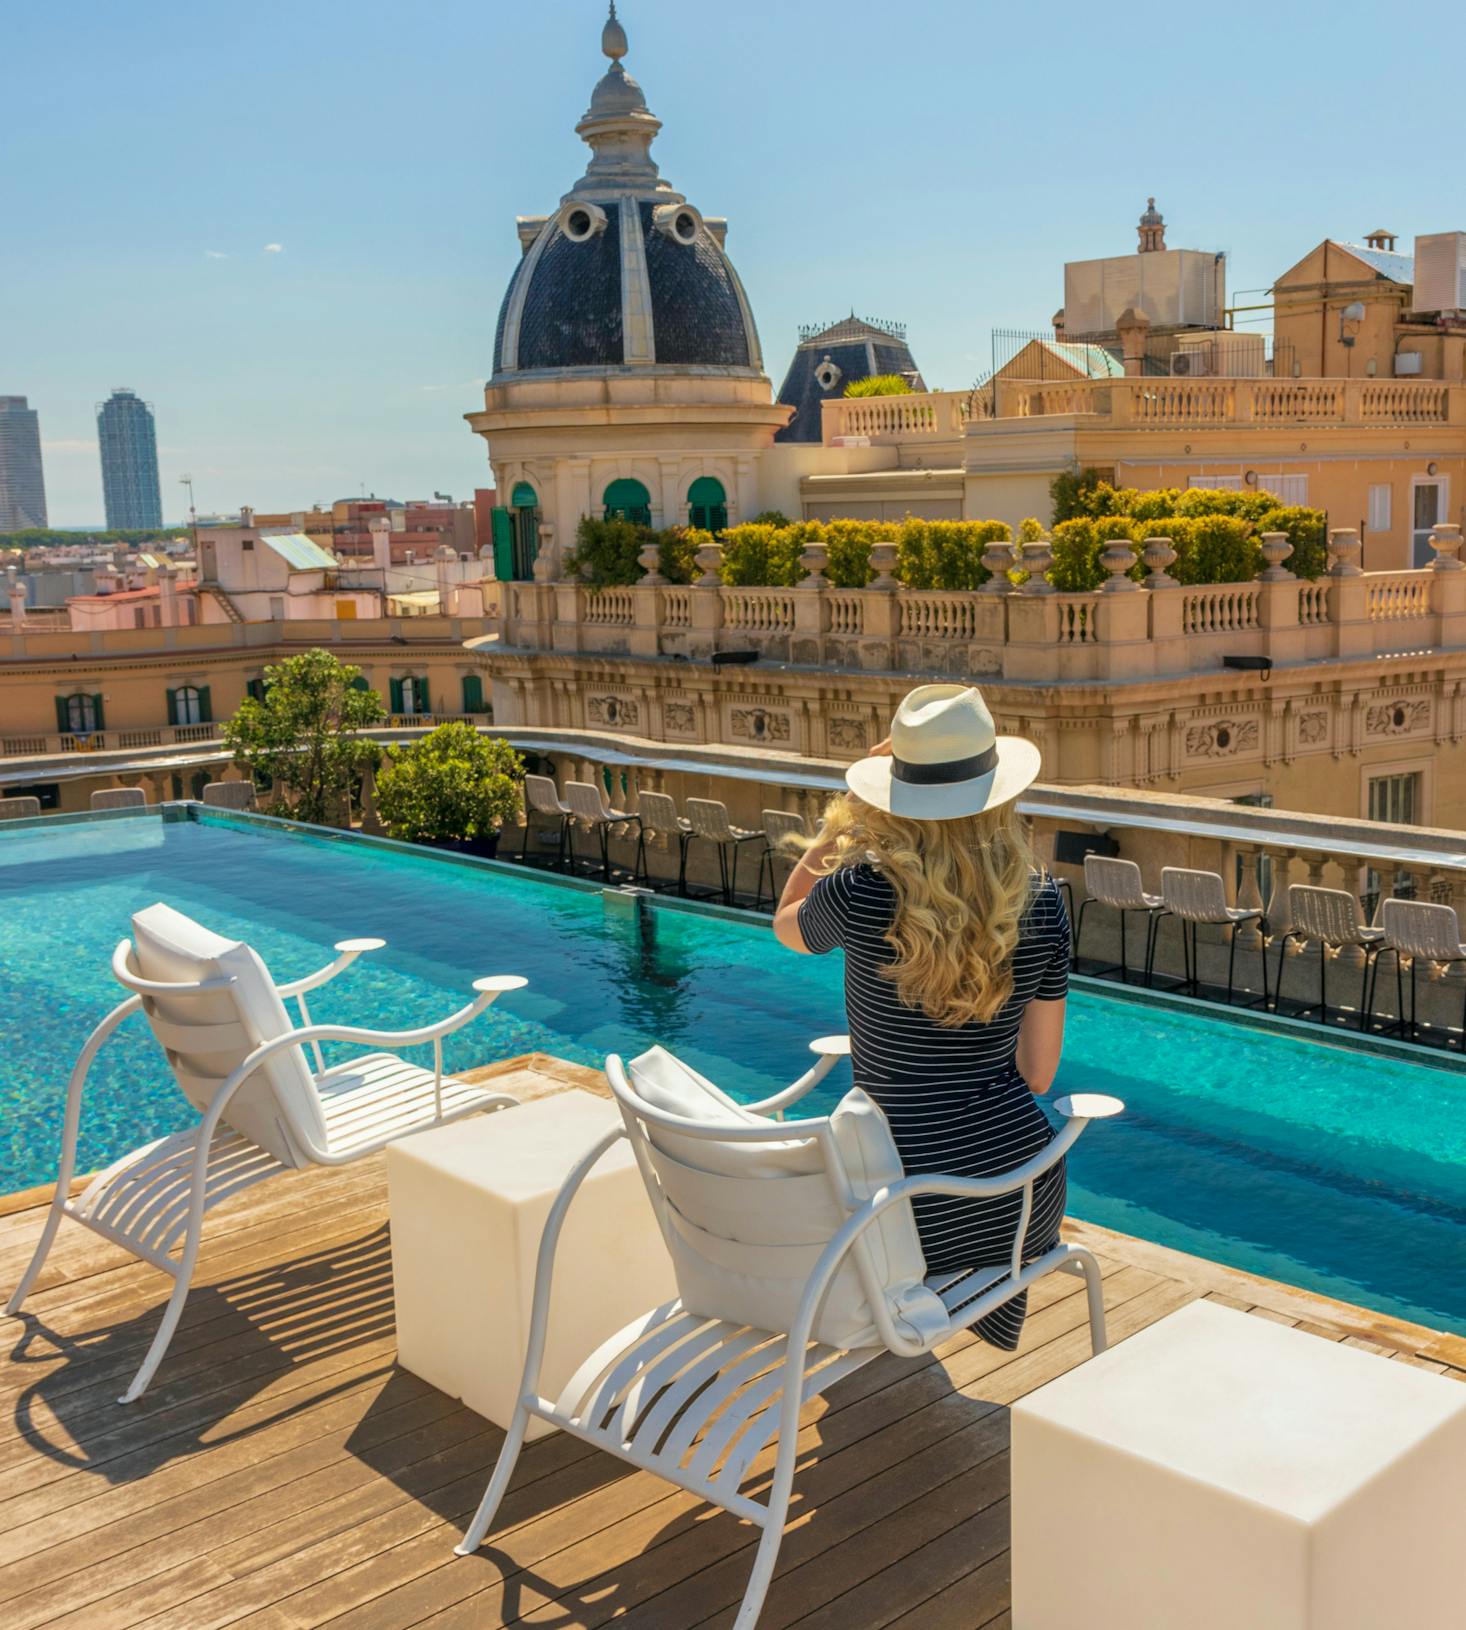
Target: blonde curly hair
[961,886]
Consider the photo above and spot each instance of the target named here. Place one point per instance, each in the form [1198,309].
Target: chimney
[17,593]
[381,531]
[167,601]
[246,516]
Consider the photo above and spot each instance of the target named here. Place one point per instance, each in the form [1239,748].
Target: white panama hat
[947,759]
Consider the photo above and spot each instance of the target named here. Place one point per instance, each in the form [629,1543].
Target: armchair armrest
[829,1049]
[347,951]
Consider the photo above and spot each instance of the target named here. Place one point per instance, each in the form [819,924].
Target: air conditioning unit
[1440,272]
[1192,364]
[1407,362]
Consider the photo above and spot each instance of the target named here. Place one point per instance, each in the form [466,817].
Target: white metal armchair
[263,1108]
[797,1262]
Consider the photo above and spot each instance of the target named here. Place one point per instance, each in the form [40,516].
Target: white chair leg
[763,1569]
[171,1315]
[498,1484]
[1094,1290]
[42,1251]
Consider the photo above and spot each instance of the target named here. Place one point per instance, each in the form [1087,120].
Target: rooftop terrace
[284,1471]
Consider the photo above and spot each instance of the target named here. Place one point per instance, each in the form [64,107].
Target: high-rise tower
[22,480]
[129,461]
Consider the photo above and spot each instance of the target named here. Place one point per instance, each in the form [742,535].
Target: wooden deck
[283,1473]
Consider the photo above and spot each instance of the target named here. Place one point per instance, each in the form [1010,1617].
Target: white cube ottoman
[1218,1469]
[468,1203]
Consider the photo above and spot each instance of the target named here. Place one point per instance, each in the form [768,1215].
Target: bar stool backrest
[1330,915]
[1114,882]
[543,795]
[779,824]
[230,795]
[119,798]
[1199,897]
[585,802]
[658,811]
[1419,929]
[19,809]
[710,819]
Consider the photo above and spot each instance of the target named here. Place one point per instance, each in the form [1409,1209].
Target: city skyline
[314,305]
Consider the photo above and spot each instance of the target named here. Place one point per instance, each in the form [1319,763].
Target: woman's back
[895,1045]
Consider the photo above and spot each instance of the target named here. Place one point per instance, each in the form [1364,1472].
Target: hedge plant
[606,551]
[452,785]
[879,385]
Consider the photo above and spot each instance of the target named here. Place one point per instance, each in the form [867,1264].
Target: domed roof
[626,274]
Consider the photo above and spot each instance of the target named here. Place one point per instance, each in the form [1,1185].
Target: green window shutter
[206,706]
[473,694]
[395,686]
[360,683]
[172,707]
[63,717]
[424,705]
[503,534]
[255,688]
[97,713]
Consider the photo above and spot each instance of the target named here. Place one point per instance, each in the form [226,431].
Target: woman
[956,967]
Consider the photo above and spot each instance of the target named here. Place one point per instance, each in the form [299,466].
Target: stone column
[1448,587]
[1347,595]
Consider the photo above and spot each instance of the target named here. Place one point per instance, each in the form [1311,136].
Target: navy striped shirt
[953,1094]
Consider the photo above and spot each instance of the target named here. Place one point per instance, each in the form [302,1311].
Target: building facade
[22,476]
[128,442]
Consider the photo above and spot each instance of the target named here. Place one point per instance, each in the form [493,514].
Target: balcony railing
[922,415]
[1031,634]
[1165,404]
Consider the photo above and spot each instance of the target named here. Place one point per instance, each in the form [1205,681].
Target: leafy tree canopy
[453,783]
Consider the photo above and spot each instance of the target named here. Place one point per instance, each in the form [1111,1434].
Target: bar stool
[1415,930]
[588,806]
[709,820]
[1330,916]
[658,813]
[1201,897]
[779,826]
[542,797]
[1118,884]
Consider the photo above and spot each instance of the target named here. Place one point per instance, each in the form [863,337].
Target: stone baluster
[1279,908]
[998,558]
[1159,556]
[1117,558]
[1276,547]
[1249,897]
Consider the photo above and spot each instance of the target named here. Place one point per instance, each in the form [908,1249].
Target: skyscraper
[129,461]
[22,481]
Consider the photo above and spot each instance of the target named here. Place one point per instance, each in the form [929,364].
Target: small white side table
[468,1203]
[1218,1470]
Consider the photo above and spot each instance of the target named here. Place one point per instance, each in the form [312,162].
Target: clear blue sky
[929,160]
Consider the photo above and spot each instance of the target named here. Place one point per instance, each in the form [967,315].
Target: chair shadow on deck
[241,1339]
[696,1563]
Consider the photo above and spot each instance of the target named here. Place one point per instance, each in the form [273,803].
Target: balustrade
[677,608]
[1077,619]
[930,615]
[758,611]
[847,612]
[1396,596]
[613,608]
[1313,604]
[1224,608]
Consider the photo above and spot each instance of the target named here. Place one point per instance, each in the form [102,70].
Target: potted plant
[454,789]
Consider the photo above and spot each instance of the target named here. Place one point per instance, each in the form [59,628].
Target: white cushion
[171,948]
[748,1221]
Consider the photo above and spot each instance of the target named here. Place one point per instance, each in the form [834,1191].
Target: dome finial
[613,37]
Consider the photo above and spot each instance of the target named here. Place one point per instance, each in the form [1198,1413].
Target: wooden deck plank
[282,1473]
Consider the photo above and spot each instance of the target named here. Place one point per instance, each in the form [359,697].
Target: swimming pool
[1339,1170]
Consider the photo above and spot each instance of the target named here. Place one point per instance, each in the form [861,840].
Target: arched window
[516,532]
[628,500]
[409,695]
[79,715]
[707,504]
[190,704]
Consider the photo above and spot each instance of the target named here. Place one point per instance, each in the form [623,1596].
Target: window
[707,505]
[1216,483]
[255,688]
[410,696]
[1290,489]
[1395,798]
[78,715]
[473,693]
[190,704]
[1379,507]
[1428,507]
[628,500]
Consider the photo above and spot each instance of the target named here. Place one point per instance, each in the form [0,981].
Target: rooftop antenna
[193,514]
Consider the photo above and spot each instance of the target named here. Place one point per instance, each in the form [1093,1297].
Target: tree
[452,785]
[303,735]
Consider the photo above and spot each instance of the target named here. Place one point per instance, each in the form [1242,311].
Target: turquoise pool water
[1338,1170]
